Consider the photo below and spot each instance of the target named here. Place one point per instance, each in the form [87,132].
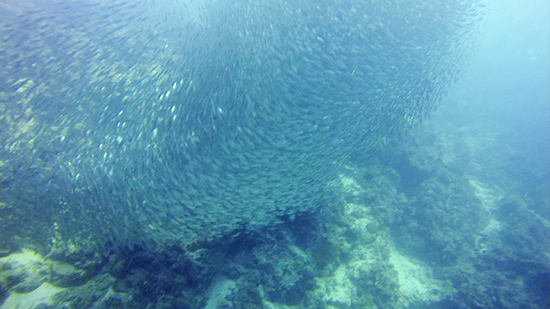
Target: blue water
[249,154]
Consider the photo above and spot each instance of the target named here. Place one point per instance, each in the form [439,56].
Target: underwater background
[274,154]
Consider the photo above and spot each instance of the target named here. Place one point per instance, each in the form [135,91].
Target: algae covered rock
[28,278]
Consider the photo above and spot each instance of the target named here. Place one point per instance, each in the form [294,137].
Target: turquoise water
[190,154]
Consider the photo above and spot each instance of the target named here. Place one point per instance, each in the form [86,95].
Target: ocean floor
[419,225]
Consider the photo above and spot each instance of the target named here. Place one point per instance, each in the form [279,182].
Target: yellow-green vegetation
[30,280]
[26,270]
[39,297]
